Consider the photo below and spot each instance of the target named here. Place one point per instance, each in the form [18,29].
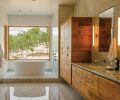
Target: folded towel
[113,50]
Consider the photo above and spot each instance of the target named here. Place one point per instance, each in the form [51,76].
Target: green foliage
[28,40]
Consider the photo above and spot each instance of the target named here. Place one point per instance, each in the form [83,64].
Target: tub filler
[30,68]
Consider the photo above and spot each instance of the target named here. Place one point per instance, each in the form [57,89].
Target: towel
[113,50]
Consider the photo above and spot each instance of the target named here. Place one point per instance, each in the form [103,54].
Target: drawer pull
[78,80]
[67,48]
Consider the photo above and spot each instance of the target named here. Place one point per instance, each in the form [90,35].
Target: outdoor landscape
[29,43]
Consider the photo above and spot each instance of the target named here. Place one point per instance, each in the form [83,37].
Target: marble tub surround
[46,91]
[100,70]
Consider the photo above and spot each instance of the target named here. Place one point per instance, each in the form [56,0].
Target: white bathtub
[30,67]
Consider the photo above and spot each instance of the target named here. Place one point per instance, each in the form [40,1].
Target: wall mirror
[105,29]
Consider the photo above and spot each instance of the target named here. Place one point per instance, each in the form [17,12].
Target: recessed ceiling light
[33,0]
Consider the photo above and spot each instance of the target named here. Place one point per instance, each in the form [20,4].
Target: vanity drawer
[93,78]
[108,89]
[76,83]
[86,90]
[81,74]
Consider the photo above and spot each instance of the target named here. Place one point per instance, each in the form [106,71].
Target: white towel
[113,50]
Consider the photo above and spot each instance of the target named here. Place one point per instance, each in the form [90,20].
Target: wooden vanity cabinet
[94,87]
[93,82]
[108,90]
[79,79]
[75,44]
[86,83]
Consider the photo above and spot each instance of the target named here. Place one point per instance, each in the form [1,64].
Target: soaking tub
[30,67]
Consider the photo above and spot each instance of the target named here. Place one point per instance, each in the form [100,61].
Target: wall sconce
[93,36]
[119,31]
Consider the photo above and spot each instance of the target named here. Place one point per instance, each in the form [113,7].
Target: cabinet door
[68,33]
[86,90]
[109,90]
[76,83]
[62,64]
[68,66]
[81,74]
[62,37]
[93,81]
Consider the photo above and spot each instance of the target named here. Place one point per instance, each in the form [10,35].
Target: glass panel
[28,43]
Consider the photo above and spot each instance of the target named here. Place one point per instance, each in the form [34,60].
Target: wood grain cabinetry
[86,83]
[75,44]
[108,90]
[93,82]
[94,87]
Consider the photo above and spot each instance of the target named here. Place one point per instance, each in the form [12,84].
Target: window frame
[8,46]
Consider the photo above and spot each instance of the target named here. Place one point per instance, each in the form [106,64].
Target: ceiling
[34,7]
[107,13]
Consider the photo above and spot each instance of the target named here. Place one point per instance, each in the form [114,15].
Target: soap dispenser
[117,64]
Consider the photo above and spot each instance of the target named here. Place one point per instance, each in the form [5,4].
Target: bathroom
[85,70]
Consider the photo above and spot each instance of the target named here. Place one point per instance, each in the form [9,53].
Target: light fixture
[93,35]
[119,31]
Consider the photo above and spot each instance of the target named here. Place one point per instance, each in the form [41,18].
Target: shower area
[33,52]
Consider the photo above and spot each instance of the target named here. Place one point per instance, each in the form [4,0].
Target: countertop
[100,70]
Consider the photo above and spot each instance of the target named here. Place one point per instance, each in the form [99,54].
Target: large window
[28,43]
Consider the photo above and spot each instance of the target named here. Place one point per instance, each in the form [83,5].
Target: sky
[16,30]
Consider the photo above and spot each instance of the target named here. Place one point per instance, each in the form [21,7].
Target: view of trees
[28,40]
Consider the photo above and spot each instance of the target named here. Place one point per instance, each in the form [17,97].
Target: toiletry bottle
[117,64]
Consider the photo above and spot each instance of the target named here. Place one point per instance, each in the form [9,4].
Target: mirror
[105,29]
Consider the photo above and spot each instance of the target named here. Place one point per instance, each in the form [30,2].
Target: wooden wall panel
[82,39]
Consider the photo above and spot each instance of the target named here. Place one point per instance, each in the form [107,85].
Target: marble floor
[43,91]
[47,74]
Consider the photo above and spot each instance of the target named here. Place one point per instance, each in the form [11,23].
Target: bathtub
[30,67]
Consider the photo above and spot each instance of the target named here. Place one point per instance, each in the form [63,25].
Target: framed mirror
[105,29]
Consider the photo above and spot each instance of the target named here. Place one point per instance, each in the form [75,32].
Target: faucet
[116,63]
[100,60]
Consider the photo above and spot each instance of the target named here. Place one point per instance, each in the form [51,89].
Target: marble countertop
[100,70]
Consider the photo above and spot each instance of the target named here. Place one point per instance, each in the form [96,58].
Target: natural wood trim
[5,41]
[29,26]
